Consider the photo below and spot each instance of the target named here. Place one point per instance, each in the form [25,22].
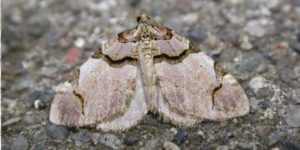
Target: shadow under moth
[148,68]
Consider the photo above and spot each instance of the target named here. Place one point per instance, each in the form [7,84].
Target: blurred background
[257,41]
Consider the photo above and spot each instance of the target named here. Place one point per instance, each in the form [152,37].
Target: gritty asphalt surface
[257,41]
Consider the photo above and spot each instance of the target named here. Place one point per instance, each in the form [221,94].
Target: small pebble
[152,144]
[170,146]
[257,83]
[20,143]
[222,147]
[292,117]
[32,97]
[80,138]
[263,131]
[47,95]
[39,136]
[23,83]
[200,133]
[274,137]
[130,140]
[73,55]
[95,138]
[32,119]
[58,132]
[198,33]
[264,104]
[298,36]
[180,136]
[296,95]
[10,121]
[265,92]
[38,29]
[250,64]
[246,146]
[38,104]
[173,130]
[254,28]
[111,141]
[245,43]
[289,146]
[5,144]
[168,135]
[55,33]
[79,42]
[295,46]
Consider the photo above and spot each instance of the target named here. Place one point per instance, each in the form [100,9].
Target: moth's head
[143,18]
[148,28]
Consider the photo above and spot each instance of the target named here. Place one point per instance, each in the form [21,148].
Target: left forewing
[100,92]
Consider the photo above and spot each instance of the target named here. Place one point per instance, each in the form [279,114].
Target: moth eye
[138,19]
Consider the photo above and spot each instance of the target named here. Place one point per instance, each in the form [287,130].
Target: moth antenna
[94,37]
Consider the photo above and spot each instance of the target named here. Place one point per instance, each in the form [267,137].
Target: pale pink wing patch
[136,111]
[117,50]
[102,92]
[174,46]
[193,87]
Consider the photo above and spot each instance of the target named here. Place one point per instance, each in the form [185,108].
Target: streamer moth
[148,68]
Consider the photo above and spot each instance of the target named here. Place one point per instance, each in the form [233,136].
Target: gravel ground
[258,41]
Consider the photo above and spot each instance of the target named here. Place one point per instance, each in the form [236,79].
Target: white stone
[79,42]
[170,146]
[254,28]
[257,83]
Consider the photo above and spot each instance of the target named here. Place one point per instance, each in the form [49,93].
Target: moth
[148,68]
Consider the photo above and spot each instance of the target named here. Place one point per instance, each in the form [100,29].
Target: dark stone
[197,34]
[245,146]
[292,117]
[264,104]
[55,34]
[180,136]
[36,30]
[80,138]
[39,136]
[215,55]
[38,147]
[134,3]
[58,132]
[298,36]
[32,119]
[296,95]
[289,146]
[31,97]
[296,47]
[274,137]
[286,68]
[23,83]
[249,92]
[10,34]
[130,140]
[20,143]
[4,144]
[38,104]
[111,141]
[47,95]
[250,64]
[265,92]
